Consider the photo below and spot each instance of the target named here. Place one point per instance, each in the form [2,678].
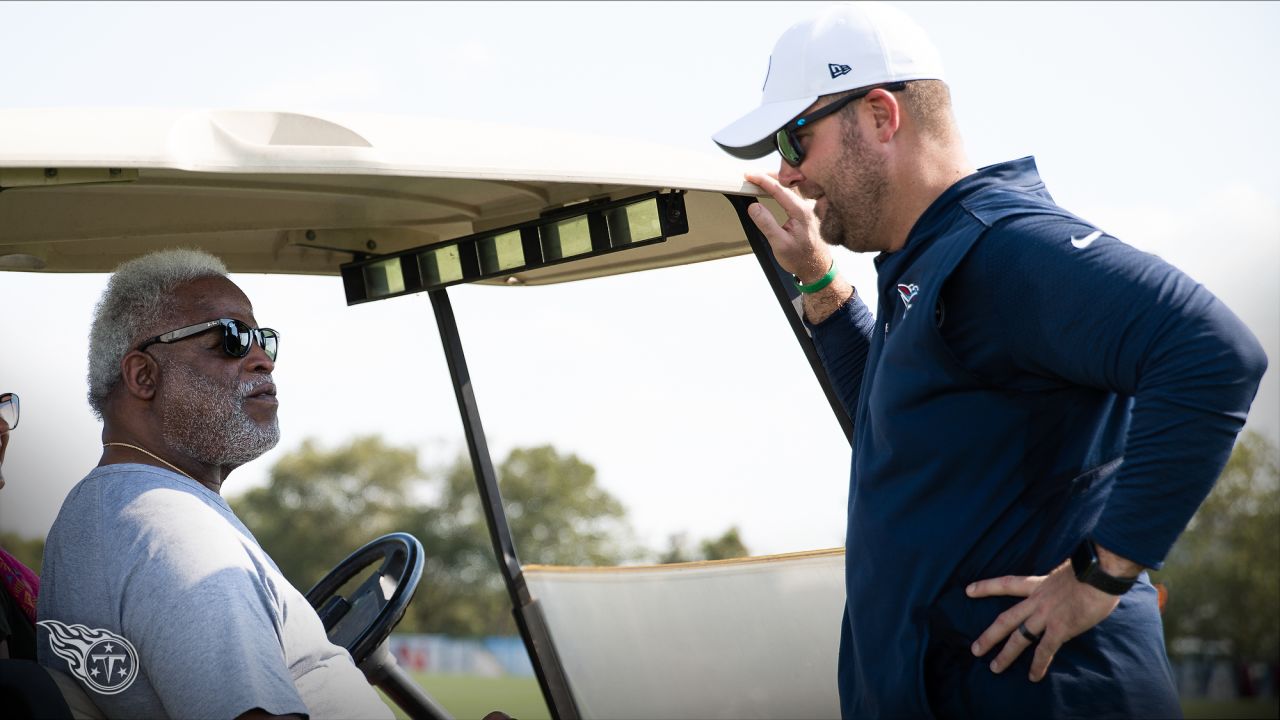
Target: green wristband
[818,284]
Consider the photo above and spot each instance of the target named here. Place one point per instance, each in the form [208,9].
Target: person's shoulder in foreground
[156,599]
[172,596]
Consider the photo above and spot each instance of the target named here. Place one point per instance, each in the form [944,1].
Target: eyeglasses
[789,145]
[237,337]
[9,409]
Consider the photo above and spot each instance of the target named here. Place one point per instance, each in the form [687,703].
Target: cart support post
[789,300]
[528,616]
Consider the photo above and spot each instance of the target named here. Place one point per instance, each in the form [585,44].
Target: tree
[559,515]
[728,545]
[28,551]
[319,505]
[1224,572]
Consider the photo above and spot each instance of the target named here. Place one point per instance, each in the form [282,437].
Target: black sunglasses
[789,145]
[237,337]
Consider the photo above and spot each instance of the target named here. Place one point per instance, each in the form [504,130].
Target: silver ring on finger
[1030,636]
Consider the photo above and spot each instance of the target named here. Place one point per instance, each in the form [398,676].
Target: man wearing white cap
[1038,408]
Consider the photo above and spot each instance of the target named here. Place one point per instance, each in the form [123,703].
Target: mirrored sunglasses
[237,337]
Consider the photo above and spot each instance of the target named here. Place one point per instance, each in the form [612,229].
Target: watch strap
[1089,571]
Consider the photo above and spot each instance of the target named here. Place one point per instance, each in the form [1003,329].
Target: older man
[155,597]
[1038,408]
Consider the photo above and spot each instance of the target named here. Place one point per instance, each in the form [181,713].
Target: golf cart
[378,201]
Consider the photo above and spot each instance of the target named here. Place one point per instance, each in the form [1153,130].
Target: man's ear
[141,374]
[886,112]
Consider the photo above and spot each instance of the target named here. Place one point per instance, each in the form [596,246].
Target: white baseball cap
[847,46]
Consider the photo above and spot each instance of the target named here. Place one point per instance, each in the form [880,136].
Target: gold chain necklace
[148,452]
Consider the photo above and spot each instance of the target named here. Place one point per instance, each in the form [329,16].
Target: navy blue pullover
[1028,381]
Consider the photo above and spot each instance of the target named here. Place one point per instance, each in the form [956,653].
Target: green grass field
[471,698]
[468,697]
[1232,709]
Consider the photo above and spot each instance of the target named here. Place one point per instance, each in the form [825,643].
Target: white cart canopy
[280,192]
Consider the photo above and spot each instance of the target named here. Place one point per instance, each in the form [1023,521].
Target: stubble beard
[208,422]
[855,196]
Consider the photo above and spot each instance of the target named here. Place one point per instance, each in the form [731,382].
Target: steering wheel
[362,621]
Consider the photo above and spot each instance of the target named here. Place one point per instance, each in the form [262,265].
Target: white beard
[208,423]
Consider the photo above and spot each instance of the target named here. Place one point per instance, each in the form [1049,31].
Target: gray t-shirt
[160,603]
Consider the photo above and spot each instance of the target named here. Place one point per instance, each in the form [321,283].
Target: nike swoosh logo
[1087,240]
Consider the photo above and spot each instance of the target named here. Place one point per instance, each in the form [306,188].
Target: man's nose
[789,176]
[257,360]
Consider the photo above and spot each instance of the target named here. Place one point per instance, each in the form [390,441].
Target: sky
[683,387]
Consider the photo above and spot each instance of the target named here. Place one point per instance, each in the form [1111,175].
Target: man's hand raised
[796,243]
[798,246]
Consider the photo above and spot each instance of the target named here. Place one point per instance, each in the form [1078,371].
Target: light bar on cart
[580,231]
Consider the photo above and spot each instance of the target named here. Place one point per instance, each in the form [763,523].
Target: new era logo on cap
[838,70]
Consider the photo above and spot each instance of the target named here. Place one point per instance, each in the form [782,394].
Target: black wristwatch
[1085,562]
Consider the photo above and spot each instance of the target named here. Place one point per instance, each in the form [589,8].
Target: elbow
[1253,361]
[1247,363]
[1231,367]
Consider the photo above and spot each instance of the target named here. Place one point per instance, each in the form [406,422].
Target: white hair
[138,297]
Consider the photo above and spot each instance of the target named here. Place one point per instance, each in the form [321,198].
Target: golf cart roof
[281,192]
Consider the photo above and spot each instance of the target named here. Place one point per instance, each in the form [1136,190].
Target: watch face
[1083,559]
[1085,563]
